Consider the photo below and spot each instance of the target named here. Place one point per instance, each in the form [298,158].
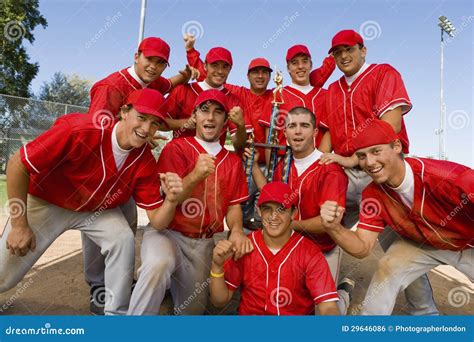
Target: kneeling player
[285,274]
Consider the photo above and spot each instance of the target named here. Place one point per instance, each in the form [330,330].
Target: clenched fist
[331,215]
[223,251]
[236,115]
[172,185]
[205,166]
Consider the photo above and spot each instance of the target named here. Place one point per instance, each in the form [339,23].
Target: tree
[18,19]
[70,89]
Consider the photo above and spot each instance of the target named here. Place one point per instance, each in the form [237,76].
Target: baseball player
[107,97]
[214,186]
[366,92]
[313,184]
[74,176]
[300,93]
[180,103]
[430,203]
[286,274]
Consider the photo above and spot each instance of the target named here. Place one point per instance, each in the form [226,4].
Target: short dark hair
[205,103]
[303,110]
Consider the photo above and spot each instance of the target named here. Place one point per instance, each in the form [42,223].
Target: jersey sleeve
[147,187]
[105,98]
[320,75]
[171,107]
[239,184]
[370,211]
[161,84]
[391,91]
[333,185]
[196,62]
[233,273]
[318,277]
[49,150]
[235,100]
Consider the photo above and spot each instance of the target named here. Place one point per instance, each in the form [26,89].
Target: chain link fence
[23,119]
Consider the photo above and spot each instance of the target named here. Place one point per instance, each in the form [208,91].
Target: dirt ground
[56,286]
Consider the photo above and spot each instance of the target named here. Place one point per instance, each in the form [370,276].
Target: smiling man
[286,274]
[417,198]
[214,187]
[75,176]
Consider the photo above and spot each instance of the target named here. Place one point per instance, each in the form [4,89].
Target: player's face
[259,78]
[300,133]
[210,119]
[382,163]
[217,73]
[349,59]
[276,220]
[136,129]
[299,69]
[149,68]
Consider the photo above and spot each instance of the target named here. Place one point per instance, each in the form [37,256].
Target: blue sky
[97,37]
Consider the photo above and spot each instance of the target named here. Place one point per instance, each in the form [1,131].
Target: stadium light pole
[142,21]
[448,28]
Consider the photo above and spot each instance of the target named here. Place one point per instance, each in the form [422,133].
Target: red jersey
[72,166]
[442,215]
[203,213]
[315,101]
[110,93]
[180,105]
[318,184]
[290,282]
[350,109]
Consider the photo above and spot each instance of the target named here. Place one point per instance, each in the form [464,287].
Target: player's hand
[172,186]
[236,115]
[331,215]
[189,41]
[189,73]
[205,166]
[329,158]
[21,240]
[248,154]
[223,251]
[242,244]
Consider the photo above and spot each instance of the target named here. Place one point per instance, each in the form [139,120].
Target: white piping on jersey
[422,203]
[149,205]
[191,85]
[325,294]
[266,264]
[279,269]
[103,164]
[120,175]
[120,72]
[345,120]
[370,225]
[26,157]
[353,91]
[401,101]
[299,189]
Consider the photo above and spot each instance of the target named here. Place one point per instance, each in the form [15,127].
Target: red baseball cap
[217,54]
[278,192]
[346,37]
[296,50]
[259,62]
[213,95]
[146,101]
[377,133]
[153,46]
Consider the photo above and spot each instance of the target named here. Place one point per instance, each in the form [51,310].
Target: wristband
[217,275]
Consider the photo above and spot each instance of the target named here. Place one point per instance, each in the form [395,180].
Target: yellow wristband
[217,275]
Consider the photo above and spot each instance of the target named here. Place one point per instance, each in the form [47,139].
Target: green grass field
[3,191]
